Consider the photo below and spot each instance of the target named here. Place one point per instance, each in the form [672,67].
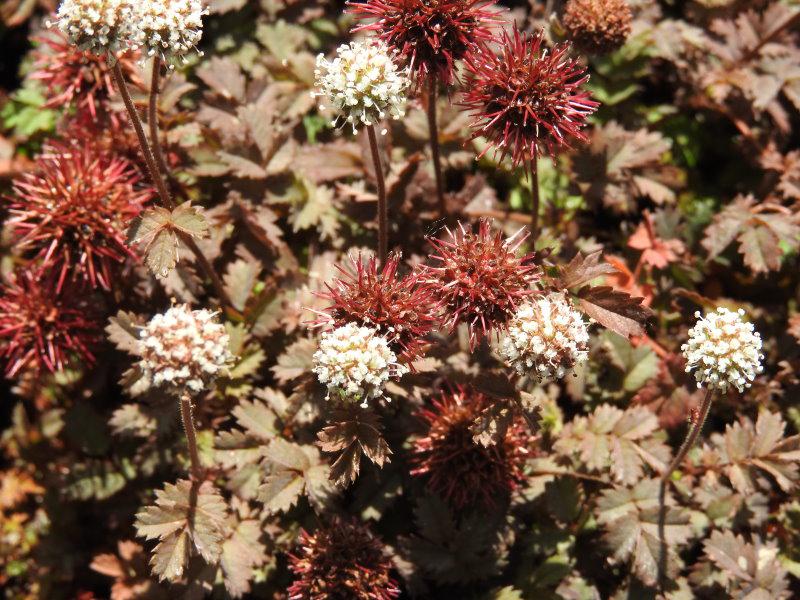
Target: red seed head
[461,471]
[598,26]
[41,327]
[479,277]
[429,35]
[527,100]
[73,209]
[341,561]
[72,75]
[402,310]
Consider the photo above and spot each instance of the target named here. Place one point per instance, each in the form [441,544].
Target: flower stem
[534,173]
[152,117]
[433,128]
[383,208]
[191,436]
[691,437]
[157,177]
[136,121]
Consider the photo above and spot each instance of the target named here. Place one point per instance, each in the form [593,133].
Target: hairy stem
[136,121]
[383,208]
[191,436]
[152,117]
[433,128]
[534,173]
[691,438]
[157,176]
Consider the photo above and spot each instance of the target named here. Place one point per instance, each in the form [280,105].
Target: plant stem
[383,208]
[158,178]
[152,117]
[691,437]
[191,436]
[136,121]
[534,173]
[433,128]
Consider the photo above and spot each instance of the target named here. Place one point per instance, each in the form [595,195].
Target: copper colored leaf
[123,331]
[630,517]
[189,220]
[296,360]
[617,311]
[583,269]
[182,517]
[240,554]
[353,432]
[223,76]
[752,569]
[281,491]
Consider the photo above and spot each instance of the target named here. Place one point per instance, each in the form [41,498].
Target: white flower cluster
[363,82]
[170,28]
[167,27]
[355,363]
[723,350]
[545,338]
[97,26]
[184,349]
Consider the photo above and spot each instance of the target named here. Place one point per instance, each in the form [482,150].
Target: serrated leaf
[239,279]
[224,76]
[183,514]
[240,554]
[287,455]
[754,568]
[257,419]
[281,491]
[189,220]
[614,440]
[241,166]
[353,432]
[583,269]
[123,331]
[631,517]
[615,310]
[746,451]
[296,360]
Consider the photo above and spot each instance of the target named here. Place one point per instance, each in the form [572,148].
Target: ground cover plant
[400,299]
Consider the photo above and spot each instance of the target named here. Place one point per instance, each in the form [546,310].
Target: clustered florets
[528,100]
[479,278]
[363,82]
[546,338]
[167,27]
[461,471]
[97,26]
[341,560]
[184,349]
[429,35]
[723,351]
[397,307]
[355,363]
[598,26]
[170,28]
